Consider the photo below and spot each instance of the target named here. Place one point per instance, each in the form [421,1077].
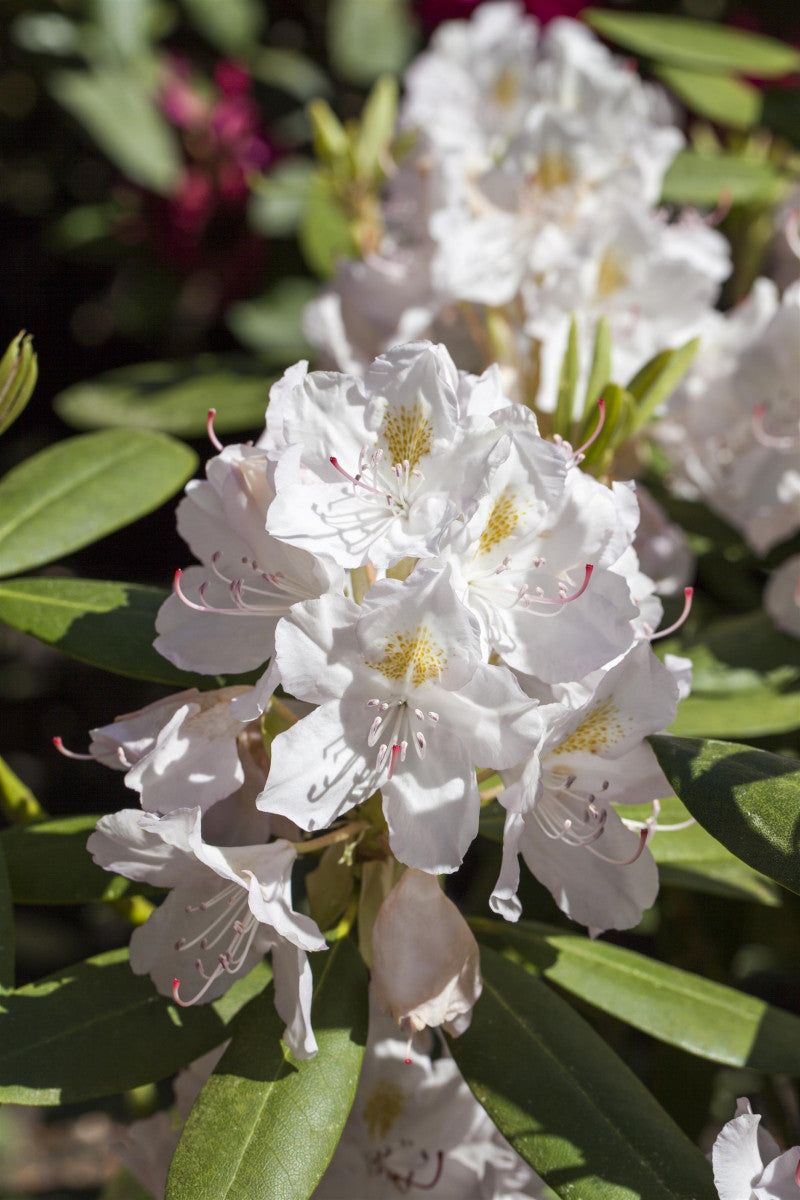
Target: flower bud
[425,960]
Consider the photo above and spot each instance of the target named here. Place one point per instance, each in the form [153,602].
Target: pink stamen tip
[797,1168]
[643,835]
[176,984]
[688,596]
[212,437]
[179,592]
[61,748]
[601,404]
[396,752]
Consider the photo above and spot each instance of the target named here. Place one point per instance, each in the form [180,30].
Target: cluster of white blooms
[443,595]
[529,198]
[732,430]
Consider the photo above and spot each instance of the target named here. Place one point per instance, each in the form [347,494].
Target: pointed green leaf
[6,929]
[747,799]
[119,112]
[18,373]
[81,489]
[700,44]
[599,372]
[706,179]
[562,419]
[683,1009]
[376,128]
[729,102]
[566,1102]
[102,623]
[659,377]
[172,397]
[48,863]
[265,1126]
[95,1029]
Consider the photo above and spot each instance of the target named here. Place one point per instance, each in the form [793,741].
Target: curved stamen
[622,862]
[579,454]
[357,481]
[688,595]
[212,437]
[527,598]
[61,748]
[176,983]
[771,441]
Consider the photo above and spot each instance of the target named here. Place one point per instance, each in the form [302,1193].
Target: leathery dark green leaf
[747,799]
[265,1125]
[678,1007]
[83,488]
[566,1102]
[95,1028]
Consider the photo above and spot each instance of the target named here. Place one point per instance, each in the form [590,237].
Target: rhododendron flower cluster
[529,200]
[444,594]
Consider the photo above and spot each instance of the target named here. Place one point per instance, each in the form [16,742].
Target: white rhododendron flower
[382,467]
[406,704]
[732,429]
[227,907]
[176,752]
[592,755]
[748,1163]
[533,553]
[425,960]
[415,1126]
[223,617]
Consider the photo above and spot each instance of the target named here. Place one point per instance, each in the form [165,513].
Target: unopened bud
[425,960]
[18,372]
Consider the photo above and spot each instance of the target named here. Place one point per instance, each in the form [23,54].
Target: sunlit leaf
[265,1126]
[566,1102]
[173,397]
[103,623]
[704,45]
[683,1009]
[729,102]
[95,1029]
[747,799]
[708,179]
[81,489]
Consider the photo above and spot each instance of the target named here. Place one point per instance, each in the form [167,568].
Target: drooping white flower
[228,906]
[223,617]
[425,960]
[179,751]
[782,596]
[415,1126]
[732,430]
[592,755]
[376,471]
[530,563]
[748,1163]
[407,705]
